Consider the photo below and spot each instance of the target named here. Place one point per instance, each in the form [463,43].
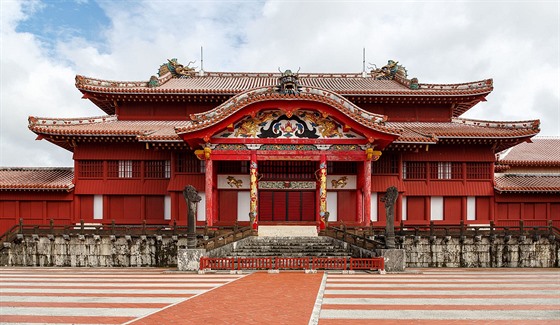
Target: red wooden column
[254,208]
[371,155]
[367,193]
[209,183]
[322,191]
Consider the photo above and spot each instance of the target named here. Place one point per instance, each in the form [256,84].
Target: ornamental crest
[288,83]
[302,124]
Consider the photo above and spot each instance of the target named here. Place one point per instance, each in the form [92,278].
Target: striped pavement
[142,295]
[95,296]
[443,296]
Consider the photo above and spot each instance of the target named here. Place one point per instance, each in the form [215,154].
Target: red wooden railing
[217,263]
[291,263]
[367,263]
[254,263]
[325,263]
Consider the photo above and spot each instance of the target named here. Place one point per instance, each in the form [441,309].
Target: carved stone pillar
[323,192]
[254,208]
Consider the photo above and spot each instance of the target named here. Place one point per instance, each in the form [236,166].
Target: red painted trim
[367,192]
[208,192]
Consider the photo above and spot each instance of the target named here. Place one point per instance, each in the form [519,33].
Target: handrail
[226,238]
[354,239]
[112,228]
[521,227]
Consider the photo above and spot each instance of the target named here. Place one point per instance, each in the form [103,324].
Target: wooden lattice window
[123,169]
[478,170]
[414,170]
[233,167]
[90,169]
[287,170]
[446,170]
[387,164]
[187,162]
[342,167]
[157,169]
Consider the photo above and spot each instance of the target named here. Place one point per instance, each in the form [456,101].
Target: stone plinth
[287,231]
[395,259]
[189,259]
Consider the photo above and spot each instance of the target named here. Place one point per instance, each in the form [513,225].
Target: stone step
[288,231]
[306,254]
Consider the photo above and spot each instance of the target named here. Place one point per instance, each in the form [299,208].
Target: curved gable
[321,114]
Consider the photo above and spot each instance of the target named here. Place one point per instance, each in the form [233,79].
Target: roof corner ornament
[177,69]
[389,71]
[288,83]
[414,84]
[154,82]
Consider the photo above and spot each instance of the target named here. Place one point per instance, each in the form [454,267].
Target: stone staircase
[289,247]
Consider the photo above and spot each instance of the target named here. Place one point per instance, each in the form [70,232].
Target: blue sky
[53,21]
[45,44]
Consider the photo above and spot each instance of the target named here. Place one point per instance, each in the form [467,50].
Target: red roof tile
[165,131]
[463,128]
[542,151]
[549,183]
[45,178]
[233,83]
[107,126]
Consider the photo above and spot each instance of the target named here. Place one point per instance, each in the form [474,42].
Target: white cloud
[515,43]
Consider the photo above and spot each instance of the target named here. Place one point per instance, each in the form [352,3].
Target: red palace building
[285,148]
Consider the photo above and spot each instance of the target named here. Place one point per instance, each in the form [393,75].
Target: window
[414,170]
[90,169]
[478,170]
[233,167]
[123,169]
[446,170]
[387,164]
[187,162]
[157,169]
[436,210]
[341,167]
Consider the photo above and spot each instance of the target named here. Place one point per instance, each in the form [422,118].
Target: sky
[45,44]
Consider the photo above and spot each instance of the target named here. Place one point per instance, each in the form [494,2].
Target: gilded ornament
[339,183]
[233,182]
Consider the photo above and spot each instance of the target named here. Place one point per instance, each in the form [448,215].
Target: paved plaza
[162,296]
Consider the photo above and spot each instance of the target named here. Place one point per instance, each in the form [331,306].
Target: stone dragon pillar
[389,199]
[192,198]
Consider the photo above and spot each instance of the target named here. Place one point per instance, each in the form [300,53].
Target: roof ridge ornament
[177,69]
[389,71]
[288,82]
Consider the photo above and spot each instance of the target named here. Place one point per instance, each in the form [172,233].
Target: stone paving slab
[421,296]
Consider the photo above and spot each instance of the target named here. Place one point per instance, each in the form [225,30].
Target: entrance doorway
[287,206]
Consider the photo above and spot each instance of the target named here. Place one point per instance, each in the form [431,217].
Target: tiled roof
[463,128]
[233,83]
[544,183]
[107,126]
[154,131]
[238,102]
[541,151]
[22,178]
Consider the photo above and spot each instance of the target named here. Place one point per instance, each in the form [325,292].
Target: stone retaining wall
[127,251]
[92,251]
[481,252]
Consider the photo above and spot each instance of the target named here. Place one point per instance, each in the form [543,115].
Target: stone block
[189,259]
[395,259]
